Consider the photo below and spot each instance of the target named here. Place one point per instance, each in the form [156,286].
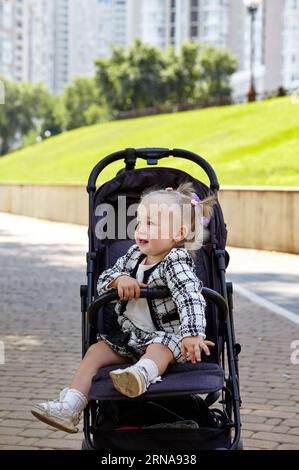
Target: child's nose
[142,229]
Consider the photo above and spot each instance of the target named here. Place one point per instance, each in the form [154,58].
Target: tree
[146,77]
[112,76]
[182,73]
[75,100]
[146,65]
[132,80]
[96,114]
[8,118]
[216,67]
[26,106]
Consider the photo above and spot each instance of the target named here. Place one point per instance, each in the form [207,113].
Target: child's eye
[148,222]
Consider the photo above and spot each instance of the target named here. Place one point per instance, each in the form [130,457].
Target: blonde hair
[183,196]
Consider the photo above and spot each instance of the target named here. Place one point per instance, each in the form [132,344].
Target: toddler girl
[158,332]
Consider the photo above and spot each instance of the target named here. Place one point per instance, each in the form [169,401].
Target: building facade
[14,39]
[198,20]
[290,44]
[239,42]
[41,42]
[112,23]
[55,40]
[226,23]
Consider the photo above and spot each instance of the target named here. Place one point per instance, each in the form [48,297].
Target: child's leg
[160,355]
[65,413]
[97,356]
[134,380]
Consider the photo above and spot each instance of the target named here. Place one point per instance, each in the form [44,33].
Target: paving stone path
[42,266]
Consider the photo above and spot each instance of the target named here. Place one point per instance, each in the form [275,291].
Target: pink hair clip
[195,201]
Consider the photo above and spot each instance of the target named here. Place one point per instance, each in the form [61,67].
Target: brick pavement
[42,267]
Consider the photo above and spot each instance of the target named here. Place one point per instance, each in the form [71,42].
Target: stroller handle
[154,293]
[151,155]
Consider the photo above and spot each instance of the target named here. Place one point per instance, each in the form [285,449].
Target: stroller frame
[224,300]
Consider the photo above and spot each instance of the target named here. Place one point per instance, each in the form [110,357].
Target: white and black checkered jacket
[184,309]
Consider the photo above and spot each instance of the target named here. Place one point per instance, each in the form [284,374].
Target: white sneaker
[131,381]
[58,413]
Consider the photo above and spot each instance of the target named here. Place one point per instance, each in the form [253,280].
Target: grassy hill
[250,144]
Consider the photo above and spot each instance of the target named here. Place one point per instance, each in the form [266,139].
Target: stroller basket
[160,424]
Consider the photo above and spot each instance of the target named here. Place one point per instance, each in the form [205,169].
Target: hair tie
[195,201]
[169,189]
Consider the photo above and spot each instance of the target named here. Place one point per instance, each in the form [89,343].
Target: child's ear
[183,232]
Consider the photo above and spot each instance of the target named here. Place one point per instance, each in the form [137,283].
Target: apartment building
[55,40]
[290,44]
[14,39]
[41,42]
[112,25]
[200,20]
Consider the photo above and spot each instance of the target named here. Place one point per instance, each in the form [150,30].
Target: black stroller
[195,406]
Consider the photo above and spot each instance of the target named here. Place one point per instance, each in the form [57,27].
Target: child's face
[157,227]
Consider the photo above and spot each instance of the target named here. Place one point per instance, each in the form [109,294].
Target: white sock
[150,368]
[75,399]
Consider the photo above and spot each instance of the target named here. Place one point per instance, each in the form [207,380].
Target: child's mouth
[143,242]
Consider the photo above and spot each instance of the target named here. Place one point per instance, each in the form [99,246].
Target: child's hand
[193,345]
[128,287]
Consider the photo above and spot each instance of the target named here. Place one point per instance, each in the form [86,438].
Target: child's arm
[119,269]
[185,289]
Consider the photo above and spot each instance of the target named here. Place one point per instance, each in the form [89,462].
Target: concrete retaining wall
[262,218]
[54,202]
[256,217]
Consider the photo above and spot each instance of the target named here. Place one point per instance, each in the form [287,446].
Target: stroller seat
[178,380]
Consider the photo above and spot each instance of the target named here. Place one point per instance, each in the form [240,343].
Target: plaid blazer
[184,310]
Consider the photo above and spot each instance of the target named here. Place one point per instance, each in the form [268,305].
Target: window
[194,16]
[172,17]
[194,3]
[194,31]
[172,3]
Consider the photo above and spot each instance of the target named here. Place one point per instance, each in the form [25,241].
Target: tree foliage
[77,98]
[132,80]
[216,67]
[26,107]
[145,77]
[142,77]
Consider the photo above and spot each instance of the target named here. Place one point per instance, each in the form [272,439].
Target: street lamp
[252,6]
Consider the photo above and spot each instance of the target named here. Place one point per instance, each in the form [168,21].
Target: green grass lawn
[250,144]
